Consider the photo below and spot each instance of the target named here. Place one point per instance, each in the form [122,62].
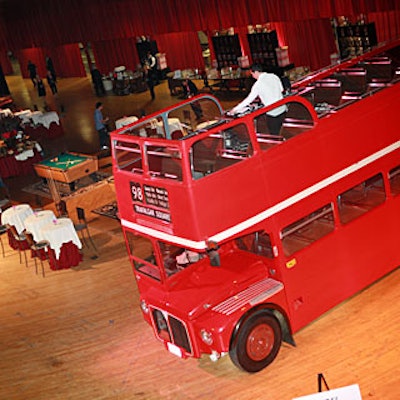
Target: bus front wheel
[257,342]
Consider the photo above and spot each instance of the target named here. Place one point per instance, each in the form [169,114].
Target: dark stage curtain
[5,63]
[67,60]
[37,55]
[4,90]
[303,40]
[113,53]
[182,50]
[52,23]
[28,24]
[387,24]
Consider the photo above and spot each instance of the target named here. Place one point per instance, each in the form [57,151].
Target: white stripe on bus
[199,245]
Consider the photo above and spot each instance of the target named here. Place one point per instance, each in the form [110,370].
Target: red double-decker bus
[239,238]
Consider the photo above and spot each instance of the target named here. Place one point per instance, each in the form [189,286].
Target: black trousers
[275,123]
[103,137]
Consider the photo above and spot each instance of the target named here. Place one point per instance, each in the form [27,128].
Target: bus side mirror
[213,255]
[214,258]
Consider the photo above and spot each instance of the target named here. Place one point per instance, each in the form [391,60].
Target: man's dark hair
[257,67]
[99,104]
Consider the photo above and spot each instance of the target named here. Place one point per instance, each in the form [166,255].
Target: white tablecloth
[38,118]
[45,119]
[6,112]
[23,115]
[59,232]
[119,123]
[16,215]
[108,85]
[174,124]
[24,155]
[35,222]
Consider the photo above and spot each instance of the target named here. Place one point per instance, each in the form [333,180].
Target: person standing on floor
[100,124]
[40,86]
[51,82]
[97,80]
[50,67]
[190,90]
[151,71]
[32,72]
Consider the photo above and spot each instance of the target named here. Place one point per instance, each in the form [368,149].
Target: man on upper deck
[269,89]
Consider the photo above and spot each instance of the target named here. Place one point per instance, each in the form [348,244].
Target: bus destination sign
[150,196]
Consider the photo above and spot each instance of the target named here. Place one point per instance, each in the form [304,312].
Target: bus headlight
[144,306]
[206,337]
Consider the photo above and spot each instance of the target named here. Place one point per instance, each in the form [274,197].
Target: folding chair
[20,240]
[37,248]
[82,227]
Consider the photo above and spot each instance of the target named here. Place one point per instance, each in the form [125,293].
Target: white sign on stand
[351,392]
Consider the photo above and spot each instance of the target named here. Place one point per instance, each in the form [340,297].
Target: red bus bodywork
[281,229]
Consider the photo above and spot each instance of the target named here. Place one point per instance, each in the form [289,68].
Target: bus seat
[379,70]
[171,169]
[176,135]
[328,91]
[354,80]
[223,162]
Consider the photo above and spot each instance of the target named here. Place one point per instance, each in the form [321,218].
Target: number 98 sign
[137,192]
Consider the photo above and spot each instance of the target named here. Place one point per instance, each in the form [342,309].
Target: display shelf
[227,50]
[263,47]
[354,40]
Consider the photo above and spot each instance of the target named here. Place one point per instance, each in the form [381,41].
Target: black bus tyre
[256,343]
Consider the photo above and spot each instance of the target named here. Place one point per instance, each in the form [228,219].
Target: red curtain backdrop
[109,54]
[67,60]
[34,24]
[387,24]
[4,60]
[37,55]
[53,23]
[310,43]
[5,63]
[182,50]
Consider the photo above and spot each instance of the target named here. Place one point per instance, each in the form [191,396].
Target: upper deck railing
[189,172]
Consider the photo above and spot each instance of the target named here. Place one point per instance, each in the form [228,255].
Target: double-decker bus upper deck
[189,179]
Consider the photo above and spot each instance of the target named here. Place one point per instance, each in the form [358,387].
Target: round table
[36,221]
[16,216]
[64,243]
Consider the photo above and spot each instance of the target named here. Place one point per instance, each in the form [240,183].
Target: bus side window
[361,198]
[258,243]
[394,180]
[141,252]
[307,230]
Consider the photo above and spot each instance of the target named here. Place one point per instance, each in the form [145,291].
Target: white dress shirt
[268,88]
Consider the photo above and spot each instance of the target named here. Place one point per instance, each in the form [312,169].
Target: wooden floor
[79,333]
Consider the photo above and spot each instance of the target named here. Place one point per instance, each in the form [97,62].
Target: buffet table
[38,117]
[11,166]
[64,243]
[40,125]
[228,79]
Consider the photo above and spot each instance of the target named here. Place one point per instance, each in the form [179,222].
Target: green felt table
[67,167]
